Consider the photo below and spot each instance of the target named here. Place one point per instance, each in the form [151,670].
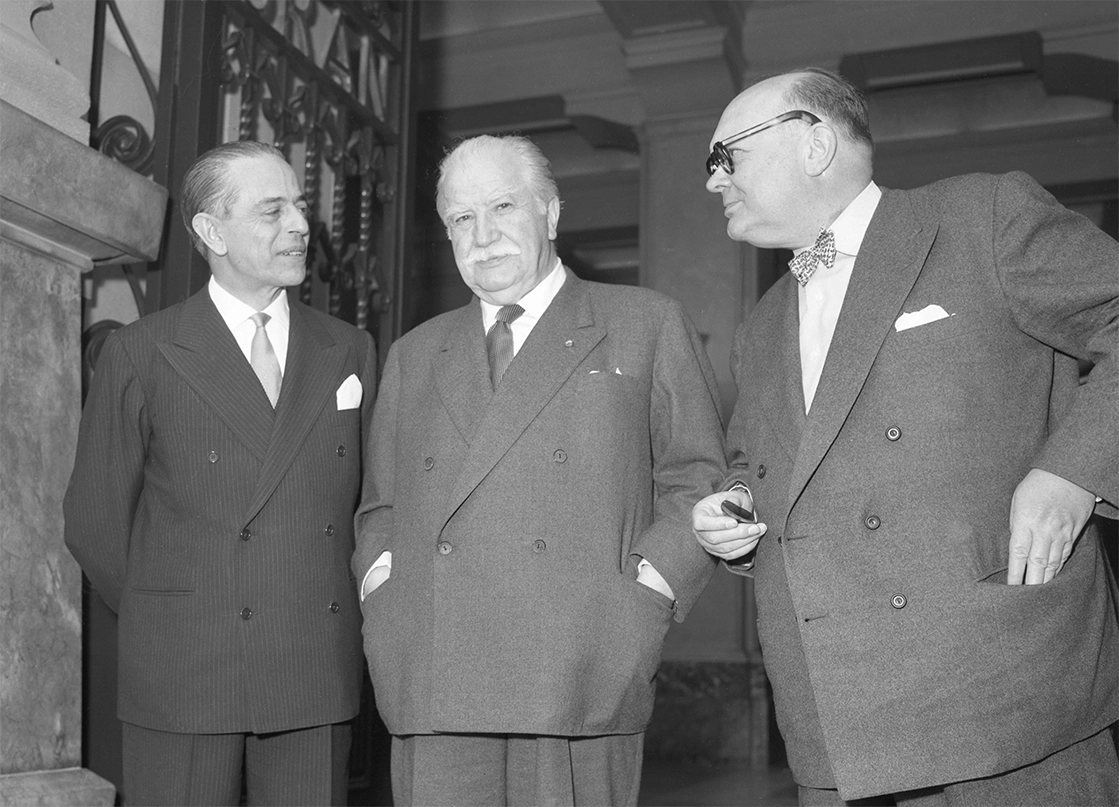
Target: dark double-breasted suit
[515,518]
[896,650]
[220,530]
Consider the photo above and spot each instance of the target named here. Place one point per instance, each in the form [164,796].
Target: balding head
[791,177]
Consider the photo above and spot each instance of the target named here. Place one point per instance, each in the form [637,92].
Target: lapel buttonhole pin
[569,343]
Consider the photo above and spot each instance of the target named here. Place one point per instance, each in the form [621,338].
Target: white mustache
[491,256]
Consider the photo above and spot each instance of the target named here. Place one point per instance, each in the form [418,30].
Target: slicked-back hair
[833,98]
[207,188]
[536,169]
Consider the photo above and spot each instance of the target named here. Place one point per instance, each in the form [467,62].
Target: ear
[822,142]
[553,217]
[208,228]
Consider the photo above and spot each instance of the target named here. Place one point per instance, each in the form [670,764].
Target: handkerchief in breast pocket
[930,313]
[349,394]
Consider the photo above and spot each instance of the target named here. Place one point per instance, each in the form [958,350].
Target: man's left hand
[1047,514]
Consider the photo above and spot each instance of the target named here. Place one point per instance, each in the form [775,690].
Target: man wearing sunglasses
[936,614]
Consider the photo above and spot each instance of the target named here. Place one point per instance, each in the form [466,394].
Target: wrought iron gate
[326,81]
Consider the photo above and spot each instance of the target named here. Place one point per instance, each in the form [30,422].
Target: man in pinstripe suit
[211,506]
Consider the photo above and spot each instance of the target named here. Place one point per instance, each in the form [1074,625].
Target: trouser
[500,769]
[304,766]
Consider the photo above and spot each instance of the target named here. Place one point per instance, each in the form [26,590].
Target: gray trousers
[305,766]
[495,770]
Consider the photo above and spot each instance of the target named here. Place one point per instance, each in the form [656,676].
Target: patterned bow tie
[823,251]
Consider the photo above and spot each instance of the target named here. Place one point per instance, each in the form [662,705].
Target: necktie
[823,251]
[263,359]
[499,342]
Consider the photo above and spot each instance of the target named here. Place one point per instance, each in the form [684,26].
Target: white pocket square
[930,313]
[349,394]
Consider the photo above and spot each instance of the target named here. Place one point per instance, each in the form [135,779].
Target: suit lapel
[311,378]
[886,268]
[462,371]
[559,342]
[782,393]
[205,354]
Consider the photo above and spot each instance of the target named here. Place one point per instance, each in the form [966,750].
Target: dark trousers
[1086,774]
[304,767]
[495,770]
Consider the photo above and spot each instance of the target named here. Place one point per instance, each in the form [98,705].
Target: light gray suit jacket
[515,518]
[895,648]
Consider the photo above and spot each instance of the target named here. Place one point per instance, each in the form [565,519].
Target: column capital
[71,202]
[31,78]
[684,73]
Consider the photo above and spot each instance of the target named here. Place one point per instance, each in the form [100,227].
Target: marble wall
[40,602]
[64,209]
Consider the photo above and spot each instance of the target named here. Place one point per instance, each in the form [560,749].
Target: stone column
[63,209]
[712,699]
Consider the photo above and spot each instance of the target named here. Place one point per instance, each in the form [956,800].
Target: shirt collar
[851,225]
[536,302]
[234,312]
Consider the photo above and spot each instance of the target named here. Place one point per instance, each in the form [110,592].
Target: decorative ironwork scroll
[121,137]
[325,82]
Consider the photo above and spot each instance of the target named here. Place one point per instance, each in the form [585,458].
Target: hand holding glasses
[738,513]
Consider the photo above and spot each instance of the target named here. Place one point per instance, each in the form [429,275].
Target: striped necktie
[499,342]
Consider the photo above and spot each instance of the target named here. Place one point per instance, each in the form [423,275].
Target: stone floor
[683,784]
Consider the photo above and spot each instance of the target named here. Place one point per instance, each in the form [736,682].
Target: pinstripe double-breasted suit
[515,518]
[220,529]
[899,657]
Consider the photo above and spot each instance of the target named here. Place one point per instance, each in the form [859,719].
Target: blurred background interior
[364,97]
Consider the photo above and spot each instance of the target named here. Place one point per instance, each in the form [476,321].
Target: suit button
[341,451]
[539,546]
[329,529]
[559,455]
[334,607]
[246,613]
[445,547]
[893,433]
[873,522]
[246,534]
[213,456]
[429,463]
[761,472]
[898,601]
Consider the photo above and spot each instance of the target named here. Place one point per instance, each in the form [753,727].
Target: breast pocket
[950,327]
[344,419]
[964,339]
[612,403]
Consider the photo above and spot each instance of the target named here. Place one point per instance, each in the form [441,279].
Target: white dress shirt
[535,303]
[821,298]
[238,318]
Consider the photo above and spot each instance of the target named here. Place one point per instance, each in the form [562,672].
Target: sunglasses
[720,157]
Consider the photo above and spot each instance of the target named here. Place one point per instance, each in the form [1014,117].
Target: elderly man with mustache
[524,538]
